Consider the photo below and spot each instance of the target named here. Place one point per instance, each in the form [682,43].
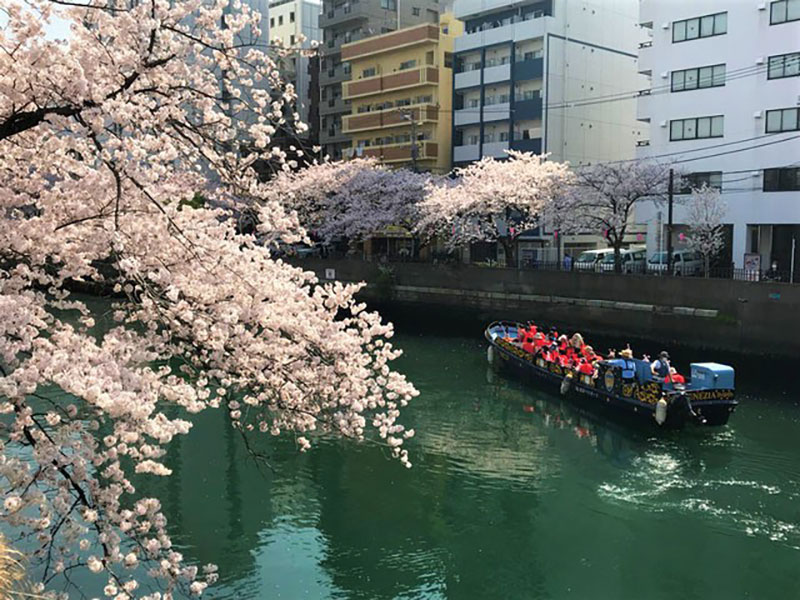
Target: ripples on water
[514,494]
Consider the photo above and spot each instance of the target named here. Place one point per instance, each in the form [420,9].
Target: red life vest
[527,346]
[586,368]
[676,378]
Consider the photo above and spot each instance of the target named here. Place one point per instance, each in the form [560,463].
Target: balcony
[395,81]
[468,79]
[497,73]
[532,145]
[466,153]
[333,106]
[645,61]
[391,117]
[426,150]
[465,116]
[516,32]
[500,111]
[644,107]
[532,68]
[496,149]
[332,136]
[335,75]
[528,109]
[344,14]
[404,38]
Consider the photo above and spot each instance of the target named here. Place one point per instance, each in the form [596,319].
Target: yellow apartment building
[401,89]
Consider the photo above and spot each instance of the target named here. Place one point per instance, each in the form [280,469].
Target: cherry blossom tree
[490,198]
[104,140]
[354,199]
[603,197]
[705,213]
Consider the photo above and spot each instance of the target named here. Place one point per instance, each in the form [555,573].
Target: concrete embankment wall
[737,316]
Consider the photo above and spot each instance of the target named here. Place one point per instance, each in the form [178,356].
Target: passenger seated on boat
[588,353]
[585,367]
[674,377]
[539,340]
[527,345]
[627,363]
[576,342]
[660,366]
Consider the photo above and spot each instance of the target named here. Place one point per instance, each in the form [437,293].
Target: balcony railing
[397,80]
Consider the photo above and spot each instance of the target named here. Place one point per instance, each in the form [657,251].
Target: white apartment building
[531,75]
[288,21]
[723,104]
[537,75]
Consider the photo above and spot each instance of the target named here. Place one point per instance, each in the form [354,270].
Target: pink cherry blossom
[489,196]
[127,158]
[603,196]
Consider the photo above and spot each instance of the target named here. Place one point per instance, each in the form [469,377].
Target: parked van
[589,260]
[632,260]
[684,262]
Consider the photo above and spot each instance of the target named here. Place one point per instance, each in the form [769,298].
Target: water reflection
[514,494]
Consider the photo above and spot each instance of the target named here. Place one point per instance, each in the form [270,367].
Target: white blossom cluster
[103,139]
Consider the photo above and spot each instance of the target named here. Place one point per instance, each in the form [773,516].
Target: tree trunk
[707,261]
[508,248]
[617,261]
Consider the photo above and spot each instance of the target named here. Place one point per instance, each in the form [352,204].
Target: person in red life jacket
[674,377]
[527,345]
[539,340]
[576,342]
[532,329]
[562,343]
[585,367]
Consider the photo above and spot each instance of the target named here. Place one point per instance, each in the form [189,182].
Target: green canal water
[513,495]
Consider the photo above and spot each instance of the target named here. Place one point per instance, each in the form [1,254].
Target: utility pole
[408,115]
[670,193]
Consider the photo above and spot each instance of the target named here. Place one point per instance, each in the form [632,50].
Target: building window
[693,181]
[408,64]
[448,60]
[784,119]
[488,137]
[389,4]
[280,19]
[503,136]
[415,11]
[784,65]
[700,27]
[696,128]
[291,17]
[699,78]
[272,21]
[472,140]
[291,40]
[784,11]
[368,72]
[782,180]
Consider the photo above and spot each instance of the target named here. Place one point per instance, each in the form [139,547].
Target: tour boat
[624,386]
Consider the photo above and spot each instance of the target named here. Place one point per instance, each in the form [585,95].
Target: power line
[753,147]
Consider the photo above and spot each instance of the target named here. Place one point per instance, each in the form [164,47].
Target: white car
[631,259]
[684,262]
[590,260]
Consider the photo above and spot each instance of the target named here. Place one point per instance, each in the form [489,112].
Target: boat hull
[609,394]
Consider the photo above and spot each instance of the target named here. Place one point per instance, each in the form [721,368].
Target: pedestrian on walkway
[567,262]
